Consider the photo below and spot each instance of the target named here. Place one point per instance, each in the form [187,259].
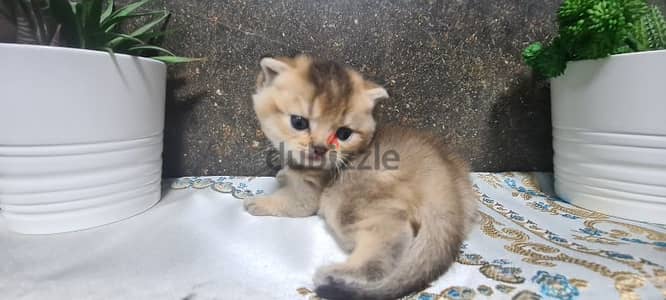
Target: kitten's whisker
[340,164]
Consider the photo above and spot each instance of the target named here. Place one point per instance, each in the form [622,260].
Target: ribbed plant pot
[80,137]
[609,135]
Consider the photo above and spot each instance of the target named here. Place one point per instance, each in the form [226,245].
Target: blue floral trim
[556,286]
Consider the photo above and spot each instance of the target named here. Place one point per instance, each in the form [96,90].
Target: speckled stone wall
[453,67]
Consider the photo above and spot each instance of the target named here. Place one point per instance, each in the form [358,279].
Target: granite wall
[453,67]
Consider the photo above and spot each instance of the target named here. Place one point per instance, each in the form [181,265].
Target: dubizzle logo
[372,159]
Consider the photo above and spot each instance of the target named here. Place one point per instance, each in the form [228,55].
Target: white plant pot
[609,135]
[80,137]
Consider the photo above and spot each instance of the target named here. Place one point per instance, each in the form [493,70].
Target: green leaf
[655,29]
[639,37]
[145,28]
[590,29]
[107,49]
[128,9]
[176,59]
[111,22]
[91,15]
[63,13]
[549,61]
[92,11]
[107,11]
[35,16]
[150,47]
[121,37]
[95,24]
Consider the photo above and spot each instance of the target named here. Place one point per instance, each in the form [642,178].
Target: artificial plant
[591,29]
[90,24]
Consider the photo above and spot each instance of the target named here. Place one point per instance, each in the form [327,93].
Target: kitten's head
[316,113]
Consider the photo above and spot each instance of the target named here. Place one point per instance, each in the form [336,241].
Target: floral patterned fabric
[198,243]
[531,245]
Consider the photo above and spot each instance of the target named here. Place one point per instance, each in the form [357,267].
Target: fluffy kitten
[402,220]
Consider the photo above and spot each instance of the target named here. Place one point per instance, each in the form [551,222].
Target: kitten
[402,220]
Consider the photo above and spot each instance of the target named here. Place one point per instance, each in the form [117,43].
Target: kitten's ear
[374,92]
[270,68]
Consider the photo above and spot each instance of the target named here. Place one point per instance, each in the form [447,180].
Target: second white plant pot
[80,137]
[609,135]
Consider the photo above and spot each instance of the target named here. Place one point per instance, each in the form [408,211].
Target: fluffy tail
[431,253]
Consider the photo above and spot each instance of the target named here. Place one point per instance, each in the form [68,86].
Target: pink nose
[319,150]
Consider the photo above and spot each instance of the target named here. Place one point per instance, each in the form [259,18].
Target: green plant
[591,29]
[650,31]
[92,24]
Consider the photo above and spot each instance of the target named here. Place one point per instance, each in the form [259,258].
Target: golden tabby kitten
[394,198]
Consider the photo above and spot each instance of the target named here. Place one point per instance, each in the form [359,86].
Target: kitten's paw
[281,177]
[260,206]
[333,274]
[336,282]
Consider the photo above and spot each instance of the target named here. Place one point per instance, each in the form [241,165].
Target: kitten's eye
[299,123]
[343,133]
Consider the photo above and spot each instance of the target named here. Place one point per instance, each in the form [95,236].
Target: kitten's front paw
[281,177]
[260,206]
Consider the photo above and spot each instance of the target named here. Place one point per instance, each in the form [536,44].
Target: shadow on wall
[520,125]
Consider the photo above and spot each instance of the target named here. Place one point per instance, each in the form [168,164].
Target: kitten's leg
[283,203]
[281,177]
[378,248]
[295,198]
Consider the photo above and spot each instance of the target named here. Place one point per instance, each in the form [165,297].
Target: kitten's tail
[431,253]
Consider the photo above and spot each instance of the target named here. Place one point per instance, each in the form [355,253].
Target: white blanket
[198,243]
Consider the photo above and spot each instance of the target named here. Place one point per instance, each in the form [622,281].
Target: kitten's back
[430,184]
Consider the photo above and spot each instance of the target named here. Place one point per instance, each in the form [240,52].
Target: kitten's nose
[319,150]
